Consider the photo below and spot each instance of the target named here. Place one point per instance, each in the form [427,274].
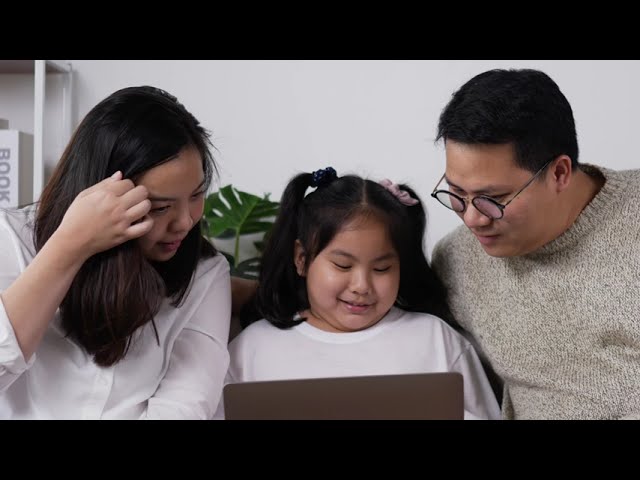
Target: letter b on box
[16,168]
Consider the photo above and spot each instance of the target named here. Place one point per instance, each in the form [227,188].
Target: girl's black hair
[315,219]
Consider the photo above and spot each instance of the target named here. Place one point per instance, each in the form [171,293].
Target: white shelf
[28,66]
[39,69]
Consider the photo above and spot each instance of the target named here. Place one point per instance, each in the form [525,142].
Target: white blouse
[181,378]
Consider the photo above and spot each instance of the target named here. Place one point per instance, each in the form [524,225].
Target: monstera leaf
[231,213]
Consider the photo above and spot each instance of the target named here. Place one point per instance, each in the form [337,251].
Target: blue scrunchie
[323,177]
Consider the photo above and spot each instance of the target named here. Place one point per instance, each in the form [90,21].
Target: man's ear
[561,172]
[299,258]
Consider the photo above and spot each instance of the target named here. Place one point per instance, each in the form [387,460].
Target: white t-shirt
[402,342]
[182,377]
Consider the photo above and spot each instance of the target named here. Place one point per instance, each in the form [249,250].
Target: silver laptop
[423,396]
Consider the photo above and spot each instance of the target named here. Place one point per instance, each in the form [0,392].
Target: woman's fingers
[120,187]
[103,184]
[135,213]
[107,214]
[139,229]
[134,197]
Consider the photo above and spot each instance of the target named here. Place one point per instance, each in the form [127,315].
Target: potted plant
[230,214]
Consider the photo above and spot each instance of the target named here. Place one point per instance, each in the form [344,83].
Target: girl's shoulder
[255,333]
[258,328]
[432,324]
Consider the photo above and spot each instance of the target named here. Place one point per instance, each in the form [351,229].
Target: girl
[345,290]
[113,305]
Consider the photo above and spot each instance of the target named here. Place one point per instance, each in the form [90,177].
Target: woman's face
[176,191]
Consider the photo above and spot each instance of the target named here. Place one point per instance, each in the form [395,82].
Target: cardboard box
[16,168]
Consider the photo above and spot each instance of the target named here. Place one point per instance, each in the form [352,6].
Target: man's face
[480,169]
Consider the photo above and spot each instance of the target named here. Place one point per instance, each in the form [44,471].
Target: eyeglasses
[484,204]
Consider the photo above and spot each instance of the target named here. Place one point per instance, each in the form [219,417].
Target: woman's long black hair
[118,291]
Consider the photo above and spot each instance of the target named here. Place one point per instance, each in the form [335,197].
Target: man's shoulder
[455,236]
[633,173]
[453,245]
[627,180]
[633,176]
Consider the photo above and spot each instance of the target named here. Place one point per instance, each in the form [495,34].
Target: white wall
[273,119]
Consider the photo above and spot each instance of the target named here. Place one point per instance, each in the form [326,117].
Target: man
[544,274]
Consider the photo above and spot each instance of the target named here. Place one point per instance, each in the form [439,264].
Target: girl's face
[354,281]
[177,196]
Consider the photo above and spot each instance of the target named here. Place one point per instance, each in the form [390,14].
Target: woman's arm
[192,386]
[100,218]
[30,302]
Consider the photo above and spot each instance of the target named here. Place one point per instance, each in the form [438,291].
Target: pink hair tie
[402,195]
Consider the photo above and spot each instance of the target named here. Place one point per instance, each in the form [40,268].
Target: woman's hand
[105,215]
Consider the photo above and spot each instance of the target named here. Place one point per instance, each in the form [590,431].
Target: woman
[113,304]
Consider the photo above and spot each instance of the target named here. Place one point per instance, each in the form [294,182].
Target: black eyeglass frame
[500,206]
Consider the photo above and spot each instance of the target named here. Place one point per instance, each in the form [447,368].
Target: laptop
[422,396]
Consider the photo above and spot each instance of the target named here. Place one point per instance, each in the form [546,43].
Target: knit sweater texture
[561,325]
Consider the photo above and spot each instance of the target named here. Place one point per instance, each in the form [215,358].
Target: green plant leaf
[230,212]
[249,269]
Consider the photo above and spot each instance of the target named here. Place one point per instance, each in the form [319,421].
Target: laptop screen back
[424,396]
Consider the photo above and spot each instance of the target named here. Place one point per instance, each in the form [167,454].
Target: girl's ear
[299,257]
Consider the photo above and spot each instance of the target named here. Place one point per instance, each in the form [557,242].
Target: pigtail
[421,290]
[281,291]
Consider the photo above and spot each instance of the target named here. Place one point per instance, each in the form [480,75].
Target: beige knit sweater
[561,326]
